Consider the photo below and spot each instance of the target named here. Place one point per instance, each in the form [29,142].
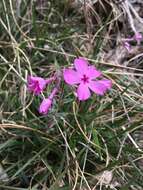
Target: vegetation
[80,145]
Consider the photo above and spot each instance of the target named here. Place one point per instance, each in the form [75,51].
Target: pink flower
[37,84]
[138,37]
[45,106]
[84,76]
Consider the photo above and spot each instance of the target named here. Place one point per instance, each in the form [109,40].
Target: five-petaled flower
[85,75]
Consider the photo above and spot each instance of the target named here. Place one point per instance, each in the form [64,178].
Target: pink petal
[138,37]
[49,80]
[45,106]
[107,83]
[71,76]
[42,83]
[93,72]
[34,79]
[81,65]
[100,87]
[83,92]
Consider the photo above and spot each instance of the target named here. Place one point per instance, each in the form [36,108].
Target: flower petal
[101,86]
[71,76]
[42,83]
[138,37]
[106,82]
[93,72]
[83,92]
[45,106]
[81,65]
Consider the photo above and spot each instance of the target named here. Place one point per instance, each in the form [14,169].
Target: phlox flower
[45,106]
[138,37]
[38,84]
[84,77]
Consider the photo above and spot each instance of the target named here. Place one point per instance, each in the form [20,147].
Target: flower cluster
[138,37]
[85,77]
[37,86]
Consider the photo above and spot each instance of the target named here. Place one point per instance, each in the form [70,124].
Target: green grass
[77,142]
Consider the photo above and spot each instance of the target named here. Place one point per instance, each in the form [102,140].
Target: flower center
[36,85]
[85,79]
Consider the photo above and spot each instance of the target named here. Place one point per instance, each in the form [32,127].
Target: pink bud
[45,106]
[138,37]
